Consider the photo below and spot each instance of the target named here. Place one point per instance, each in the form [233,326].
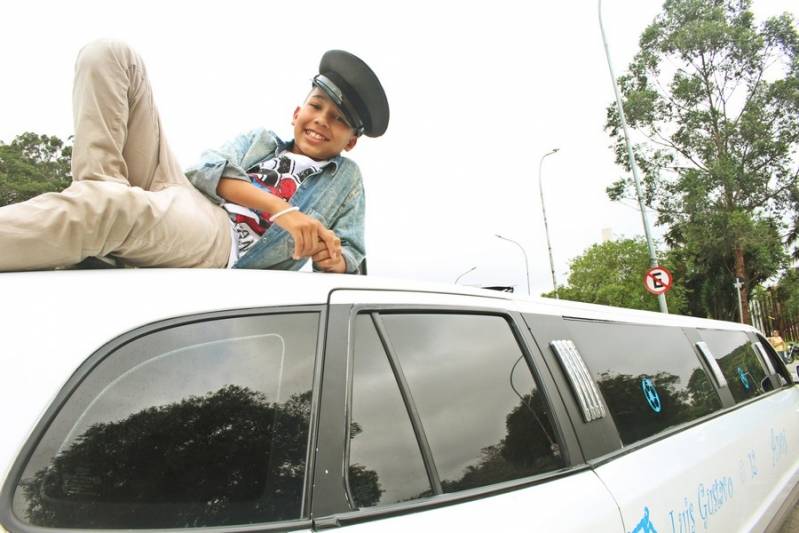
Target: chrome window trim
[580,380]
[764,358]
[710,359]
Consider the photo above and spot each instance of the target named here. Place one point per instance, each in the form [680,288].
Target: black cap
[355,89]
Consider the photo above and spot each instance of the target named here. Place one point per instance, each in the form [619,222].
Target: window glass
[198,425]
[650,376]
[385,460]
[737,360]
[783,376]
[484,417]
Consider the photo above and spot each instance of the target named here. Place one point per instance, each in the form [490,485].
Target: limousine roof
[127,298]
[155,294]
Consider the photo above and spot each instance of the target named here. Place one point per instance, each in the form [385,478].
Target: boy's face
[320,129]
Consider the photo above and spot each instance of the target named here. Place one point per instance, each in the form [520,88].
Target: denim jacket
[333,196]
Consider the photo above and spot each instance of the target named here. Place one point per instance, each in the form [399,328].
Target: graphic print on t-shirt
[281,176]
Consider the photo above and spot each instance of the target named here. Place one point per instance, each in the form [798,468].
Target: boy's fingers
[322,254]
[313,240]
[298,245]
[333,243]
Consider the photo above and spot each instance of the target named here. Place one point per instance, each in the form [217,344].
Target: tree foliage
[717,99]
[788,292]
[33,164]
[612,273]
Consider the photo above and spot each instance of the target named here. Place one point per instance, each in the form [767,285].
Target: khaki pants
[129,197]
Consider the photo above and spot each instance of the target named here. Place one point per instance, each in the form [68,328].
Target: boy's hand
[324,262]
[309,235]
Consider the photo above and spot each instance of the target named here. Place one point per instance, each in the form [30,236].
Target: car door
[438,414]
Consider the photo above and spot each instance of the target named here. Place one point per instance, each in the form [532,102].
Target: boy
[129,198]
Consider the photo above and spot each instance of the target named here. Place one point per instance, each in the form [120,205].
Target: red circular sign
[658,280]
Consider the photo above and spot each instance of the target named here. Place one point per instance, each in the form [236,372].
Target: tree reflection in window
[636,419]
[483,415]
[650,376]
[200,424]
[738,362]
[526,450]
[228,457]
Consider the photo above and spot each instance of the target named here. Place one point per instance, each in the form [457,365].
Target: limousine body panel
[725,474]
[732,468]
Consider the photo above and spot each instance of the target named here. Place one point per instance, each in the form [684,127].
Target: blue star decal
[651,394]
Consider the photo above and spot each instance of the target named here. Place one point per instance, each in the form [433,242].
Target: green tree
[787,291]
[707,266]
[612,273]
[717,99]
[33,164]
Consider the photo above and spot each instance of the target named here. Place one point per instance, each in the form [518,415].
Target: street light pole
[526,264]
[653,260]
[461,275]
[546,226]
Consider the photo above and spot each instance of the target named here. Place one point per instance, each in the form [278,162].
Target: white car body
[735,470]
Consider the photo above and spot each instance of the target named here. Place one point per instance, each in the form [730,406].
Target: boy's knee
[101,52]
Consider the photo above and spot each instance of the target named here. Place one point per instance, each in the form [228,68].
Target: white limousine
[243,401]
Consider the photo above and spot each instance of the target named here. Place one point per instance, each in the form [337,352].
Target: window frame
[96,358]
[332,509]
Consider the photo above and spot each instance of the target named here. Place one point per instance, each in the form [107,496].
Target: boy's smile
[320,129]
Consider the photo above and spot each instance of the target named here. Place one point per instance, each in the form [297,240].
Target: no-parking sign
[658,280]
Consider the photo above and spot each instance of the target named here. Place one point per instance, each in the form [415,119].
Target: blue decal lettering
[752,465]
[713,498]
[779,446]
[645,525]
[743,378]
[651,394]
[685,521]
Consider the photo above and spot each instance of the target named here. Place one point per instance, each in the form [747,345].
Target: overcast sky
[479,91]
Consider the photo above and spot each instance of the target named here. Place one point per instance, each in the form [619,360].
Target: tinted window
[783,376]
[737,360]
[485,419]
[385,461]
[202,424]
[650,376]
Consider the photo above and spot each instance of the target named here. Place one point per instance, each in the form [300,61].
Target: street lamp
[460,276]
[526,264]
[653,260]
[546,226]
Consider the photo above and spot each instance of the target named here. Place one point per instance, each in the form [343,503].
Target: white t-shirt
[281,176]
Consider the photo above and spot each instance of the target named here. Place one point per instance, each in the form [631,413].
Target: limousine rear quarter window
[482,414]
[738,362]
[197,425]
[650,376]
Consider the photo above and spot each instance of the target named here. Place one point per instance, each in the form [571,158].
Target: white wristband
[281,213]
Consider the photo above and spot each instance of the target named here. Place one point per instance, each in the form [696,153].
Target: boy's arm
[308,233]
[348,225]
[226,161]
